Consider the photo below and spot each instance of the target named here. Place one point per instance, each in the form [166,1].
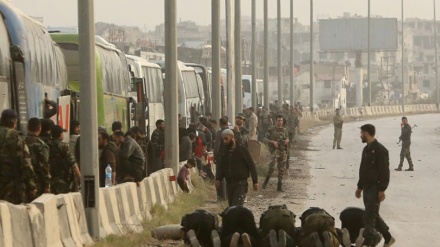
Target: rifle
[414,126]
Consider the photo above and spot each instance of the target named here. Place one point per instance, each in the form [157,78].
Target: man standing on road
[338,121]
[265,122]
[240,132]
[374,177]
[17,177]
[156,148]
[235,164]
[405,137]
[278,139]
[131,157]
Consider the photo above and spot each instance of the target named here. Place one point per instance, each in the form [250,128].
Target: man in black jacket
[405,137]
[374,177]
[235,164]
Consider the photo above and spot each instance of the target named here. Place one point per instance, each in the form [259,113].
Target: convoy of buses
[37,65]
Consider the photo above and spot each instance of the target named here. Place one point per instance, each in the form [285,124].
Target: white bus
[246,81]
[190,102]
[151,92]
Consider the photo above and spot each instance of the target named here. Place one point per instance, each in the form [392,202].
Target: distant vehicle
[112,78]
[190,104]
[149,93]
[205,76]
[32,68]
[247,91]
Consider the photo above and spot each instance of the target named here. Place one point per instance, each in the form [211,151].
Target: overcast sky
[149,13]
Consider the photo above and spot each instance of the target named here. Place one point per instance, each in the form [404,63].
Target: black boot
[266,181]
[280,186]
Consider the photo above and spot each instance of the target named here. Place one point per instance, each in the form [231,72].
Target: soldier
[265,122]
[338,121]
[39,151]
[63,168]
[405,152]
[278,139]
[156,148]
[17,177]
[46,128]
[240,132]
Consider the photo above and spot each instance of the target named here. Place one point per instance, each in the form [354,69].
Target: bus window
[246,86]
[189,80]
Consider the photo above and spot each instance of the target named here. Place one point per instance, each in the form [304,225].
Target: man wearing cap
[277,137]
[63,167]
[240,132]
[46,128]
[39,151]
[17,177]
[235,164]
[338,121]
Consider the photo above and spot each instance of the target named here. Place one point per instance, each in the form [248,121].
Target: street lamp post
[280,85]
[436,59]
[254,59]
[403,79]
[266,54]
[216,90]
[238,59]
[311,57]
[292,63]
[369,54]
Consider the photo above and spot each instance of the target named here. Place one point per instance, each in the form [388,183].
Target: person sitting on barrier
[318,229]
[131,159]
[352,227]
[239,228]
[201,229]
[184,175]
[279,220]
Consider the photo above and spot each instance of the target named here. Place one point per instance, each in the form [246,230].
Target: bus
[151,86]
[247,91]
[190,104]
[112,78]
[205,77]
[32,69]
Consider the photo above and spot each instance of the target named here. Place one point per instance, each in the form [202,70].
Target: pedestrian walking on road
[235,165]
[17,177]
[338,121]
[405,138]
[374,177]
[278,139]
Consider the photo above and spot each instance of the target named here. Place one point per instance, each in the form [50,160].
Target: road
[412,205]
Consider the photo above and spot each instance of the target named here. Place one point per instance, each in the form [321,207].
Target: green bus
[112,78]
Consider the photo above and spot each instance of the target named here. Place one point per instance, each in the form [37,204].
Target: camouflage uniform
[61,163]
[39,151]
[242,136]
[278,156]
[17,177]
[337,122]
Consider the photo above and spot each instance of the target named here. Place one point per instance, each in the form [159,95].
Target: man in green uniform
[39,151]
[265,122]
[338,121]
[278,139]
[405,152]
[241,134]
[63,167]
[17,177]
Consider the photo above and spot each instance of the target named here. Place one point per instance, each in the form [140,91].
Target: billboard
[352,34]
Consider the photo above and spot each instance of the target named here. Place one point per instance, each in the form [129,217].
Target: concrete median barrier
[111,204]
[143,198]
[158,188]
[47,205]
[133,206]
[69,229]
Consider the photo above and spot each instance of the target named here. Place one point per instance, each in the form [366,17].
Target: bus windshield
[190,82]
[153,81]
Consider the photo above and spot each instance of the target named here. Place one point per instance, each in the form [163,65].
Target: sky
[149,13]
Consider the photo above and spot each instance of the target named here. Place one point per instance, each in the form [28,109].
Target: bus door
[63,115]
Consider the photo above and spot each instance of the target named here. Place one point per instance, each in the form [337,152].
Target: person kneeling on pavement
[352,220]
[239,228]
[201,229]
[185,174]
[318,229]
[277,226]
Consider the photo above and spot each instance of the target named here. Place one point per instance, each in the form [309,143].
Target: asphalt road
[412,204]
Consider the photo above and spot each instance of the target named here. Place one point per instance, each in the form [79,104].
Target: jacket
[375,167]
[236,166]
[406,133]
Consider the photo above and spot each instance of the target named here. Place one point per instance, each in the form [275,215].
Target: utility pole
[312,72]
[216,56]
[436,59]
[230,59]
[171,88]
[280,67]
[238,60]
[254,59]
[292,62]
[89,116]
[369,54]
[403,73]
[266,54]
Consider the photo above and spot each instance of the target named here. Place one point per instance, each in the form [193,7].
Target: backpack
[318,220]
[277,217]
[203,223]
